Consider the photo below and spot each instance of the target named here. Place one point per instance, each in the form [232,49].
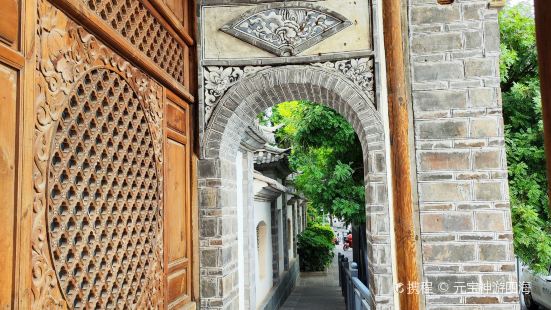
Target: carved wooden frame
[65,51]
[112,37]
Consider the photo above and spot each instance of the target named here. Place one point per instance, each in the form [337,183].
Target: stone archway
[234,113]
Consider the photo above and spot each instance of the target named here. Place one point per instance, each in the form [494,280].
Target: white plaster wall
[240,229]
[263,286]
[219,45]
[249,231]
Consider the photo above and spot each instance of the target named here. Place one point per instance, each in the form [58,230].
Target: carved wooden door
[96,151]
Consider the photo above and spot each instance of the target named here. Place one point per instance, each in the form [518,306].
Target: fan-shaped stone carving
[286,29]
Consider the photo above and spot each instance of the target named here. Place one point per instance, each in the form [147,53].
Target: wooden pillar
[543,37]
[400,155]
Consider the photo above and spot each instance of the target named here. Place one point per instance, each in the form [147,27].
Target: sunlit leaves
[524,138]
[327,156]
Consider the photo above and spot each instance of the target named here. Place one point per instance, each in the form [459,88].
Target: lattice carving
[98,137]
[133,21]
[103,202]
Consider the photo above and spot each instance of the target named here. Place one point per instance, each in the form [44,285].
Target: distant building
[269,221]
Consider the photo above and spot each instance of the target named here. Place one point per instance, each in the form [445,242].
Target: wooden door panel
[98,163]
[178,285]
[8,186]
[178,215]
[176,200]
[9,19]
[176,118]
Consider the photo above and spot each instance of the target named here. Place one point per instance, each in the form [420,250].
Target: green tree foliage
[327,155]
[315,247]
[524,137]
[323,230]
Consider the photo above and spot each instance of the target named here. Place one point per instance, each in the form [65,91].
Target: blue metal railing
[356,295]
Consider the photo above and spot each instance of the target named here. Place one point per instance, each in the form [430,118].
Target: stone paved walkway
[318,291]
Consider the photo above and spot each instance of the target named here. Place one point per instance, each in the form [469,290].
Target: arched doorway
[234,113]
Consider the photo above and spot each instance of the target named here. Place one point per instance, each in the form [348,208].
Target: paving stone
[318,291]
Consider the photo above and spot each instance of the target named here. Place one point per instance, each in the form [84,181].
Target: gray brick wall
[465,223]
[459,146]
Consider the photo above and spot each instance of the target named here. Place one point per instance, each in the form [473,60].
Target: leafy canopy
[327,156]
[524,137]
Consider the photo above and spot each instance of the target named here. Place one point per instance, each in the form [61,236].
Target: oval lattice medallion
[103,199]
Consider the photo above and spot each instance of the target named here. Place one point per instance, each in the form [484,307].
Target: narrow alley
[319,290]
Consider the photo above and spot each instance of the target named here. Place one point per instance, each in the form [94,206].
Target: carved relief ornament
[70,64]
[219,79]
[286,29]
[359,70]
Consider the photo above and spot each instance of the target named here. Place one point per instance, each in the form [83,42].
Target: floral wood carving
[360,71]
[286,29]
[69,63]
[219,79]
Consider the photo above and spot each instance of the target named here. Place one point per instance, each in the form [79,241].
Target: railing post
[351,290]
[340,256]
[345,279]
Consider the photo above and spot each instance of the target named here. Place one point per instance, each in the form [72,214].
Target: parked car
[537,289]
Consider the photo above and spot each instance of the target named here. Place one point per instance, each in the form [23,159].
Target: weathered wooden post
[399,151]
[543,38]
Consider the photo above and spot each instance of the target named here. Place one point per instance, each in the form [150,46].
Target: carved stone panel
[218,80]
[286,29]
[361,71]
[98,162]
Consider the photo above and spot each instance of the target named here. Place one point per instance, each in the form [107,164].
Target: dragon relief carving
[67,55]
[286,29]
